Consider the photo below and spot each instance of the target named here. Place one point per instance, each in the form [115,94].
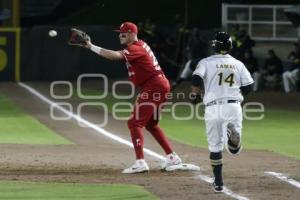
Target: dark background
[46,58]
[206,14]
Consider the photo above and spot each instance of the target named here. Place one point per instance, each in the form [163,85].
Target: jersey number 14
[229,79]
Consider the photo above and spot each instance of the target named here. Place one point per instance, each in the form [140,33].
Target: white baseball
[52,33]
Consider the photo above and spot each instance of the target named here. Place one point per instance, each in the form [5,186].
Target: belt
[215,102]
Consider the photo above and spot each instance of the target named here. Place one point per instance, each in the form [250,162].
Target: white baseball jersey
[223,76]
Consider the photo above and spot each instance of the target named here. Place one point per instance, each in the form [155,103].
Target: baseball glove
[78,38]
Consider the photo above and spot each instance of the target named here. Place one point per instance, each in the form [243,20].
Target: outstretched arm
[105,53]
[81,39]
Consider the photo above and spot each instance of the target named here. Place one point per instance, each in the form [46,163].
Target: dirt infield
[96,159]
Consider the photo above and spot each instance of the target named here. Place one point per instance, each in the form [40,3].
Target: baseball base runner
[225,79]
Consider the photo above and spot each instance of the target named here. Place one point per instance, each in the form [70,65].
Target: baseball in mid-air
[52,33]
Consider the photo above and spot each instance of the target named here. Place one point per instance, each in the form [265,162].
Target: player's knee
[131,123]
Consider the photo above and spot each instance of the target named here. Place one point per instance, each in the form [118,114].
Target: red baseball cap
[128,27]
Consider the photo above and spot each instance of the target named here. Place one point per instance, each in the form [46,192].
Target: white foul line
[226,190]
[285,178]
[115,137]
[85,122]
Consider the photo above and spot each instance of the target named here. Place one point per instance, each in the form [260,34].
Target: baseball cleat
[233,145]
[139,166]
[233,135]
[218,188]
[233,150]
[171,159]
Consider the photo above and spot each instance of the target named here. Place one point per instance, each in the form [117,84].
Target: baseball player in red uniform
[144,71]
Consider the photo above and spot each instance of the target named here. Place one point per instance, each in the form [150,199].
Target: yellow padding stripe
[216,162]
[234,148]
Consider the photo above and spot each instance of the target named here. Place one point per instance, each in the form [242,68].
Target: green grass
[279,131]
[20,128]
[69,191]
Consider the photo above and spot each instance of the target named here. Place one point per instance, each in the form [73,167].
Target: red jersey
[141,63]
